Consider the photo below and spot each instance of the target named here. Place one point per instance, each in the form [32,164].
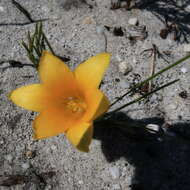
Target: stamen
[75,105]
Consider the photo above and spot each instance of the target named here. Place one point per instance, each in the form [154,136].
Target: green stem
[144,96]
[150,78]
[48,44]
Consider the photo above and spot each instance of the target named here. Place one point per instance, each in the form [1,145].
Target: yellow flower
[68,101]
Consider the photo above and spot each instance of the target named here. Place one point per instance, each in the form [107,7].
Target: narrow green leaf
[25,46]
[48,44]
[30,43]
[150,78]
[37,51]
[144,96]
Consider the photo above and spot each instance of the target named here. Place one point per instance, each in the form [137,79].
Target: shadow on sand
[161,162]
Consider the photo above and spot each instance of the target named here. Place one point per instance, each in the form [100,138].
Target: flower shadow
[161,163]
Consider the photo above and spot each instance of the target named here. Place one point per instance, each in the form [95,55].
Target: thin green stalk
[25,46]
[37,51]
[144,96]
[30,41]
[150,78]
[48,44]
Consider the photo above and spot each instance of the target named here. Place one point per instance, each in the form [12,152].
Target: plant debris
[183,94]
[11,180]
[117,31]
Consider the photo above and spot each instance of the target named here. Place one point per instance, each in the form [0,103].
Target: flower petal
[97,104]
[80,136]
[51,123]
[55,74]
[90,73]
[29,97]
[51,68]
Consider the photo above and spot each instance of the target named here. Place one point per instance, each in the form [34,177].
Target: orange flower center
[75,105]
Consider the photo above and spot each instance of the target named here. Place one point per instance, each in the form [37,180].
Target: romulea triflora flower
[67,101]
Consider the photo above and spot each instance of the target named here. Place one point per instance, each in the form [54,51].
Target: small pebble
[186,48]
[160,139]
[154,98]
[123,84]
[153,128]
[1,9]
[183,70]
[25,166]
[9,157]
[187,7]
[53,147]
[134,60]
[124,171]
[172,106]
[29,154]
[88,20]
[116,187]
[115,172]
[48,187]
[133,21]
[80,182]
[124,67]
[179,3]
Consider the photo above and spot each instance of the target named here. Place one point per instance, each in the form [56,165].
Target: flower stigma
[75,105]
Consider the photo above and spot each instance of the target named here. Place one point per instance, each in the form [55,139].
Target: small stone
[172,106]
[134,60]
[125,68]
[115,172]
[186,48]
[154,98]
[124,171]
[133,21]
[1,9]
[80,182]
[25,166]
[30,154]
[160,139]
[153,128]
[48,187]
[88,20]
[53,147]
[123,84]
[187,7]
[9,157]
[91,3]
[179,3]
[116,187]
[184,70]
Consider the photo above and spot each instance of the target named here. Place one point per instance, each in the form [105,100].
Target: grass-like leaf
[151,78]
[37,43]
[144,96]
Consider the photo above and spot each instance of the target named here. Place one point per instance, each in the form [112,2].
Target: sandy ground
[115,161]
